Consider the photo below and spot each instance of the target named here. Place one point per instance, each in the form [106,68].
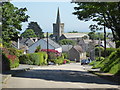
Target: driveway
[62,76]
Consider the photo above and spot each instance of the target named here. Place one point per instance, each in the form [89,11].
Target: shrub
[5,63]
[59,61]
[52,55]
[92,63]
[24,59]
[38,49]
[15,63]
[11,54]
[39,58]
[112,63]
[109,51]
[65,55]
[99,58]
[67,61]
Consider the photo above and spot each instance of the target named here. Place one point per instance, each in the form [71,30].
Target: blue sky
[45,13]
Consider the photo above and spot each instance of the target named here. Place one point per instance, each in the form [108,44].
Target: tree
[12,17]
[73,32]
[104,13]
[95,36]
[36,28]
[66,42]
[29,33]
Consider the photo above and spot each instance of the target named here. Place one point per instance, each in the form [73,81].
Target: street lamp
[18,41]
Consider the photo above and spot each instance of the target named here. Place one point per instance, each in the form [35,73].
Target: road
[62,76]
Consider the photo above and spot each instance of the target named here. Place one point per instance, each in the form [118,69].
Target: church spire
[58,16]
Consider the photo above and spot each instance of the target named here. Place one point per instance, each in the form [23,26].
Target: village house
[76,53]
[21,46]
[66,48]
[43,44]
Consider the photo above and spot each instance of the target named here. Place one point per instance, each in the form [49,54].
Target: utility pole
[47,43]
[99,46]
[104,40]
[47,46]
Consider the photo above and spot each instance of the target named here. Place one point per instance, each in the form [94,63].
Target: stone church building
[58,31]
[58,27]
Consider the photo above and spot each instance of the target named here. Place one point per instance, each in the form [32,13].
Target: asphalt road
[63,76]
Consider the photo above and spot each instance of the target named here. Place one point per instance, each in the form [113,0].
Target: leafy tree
[12,17]
[95,36]
[66,42]
[28,33]
[104,13]
[36,28]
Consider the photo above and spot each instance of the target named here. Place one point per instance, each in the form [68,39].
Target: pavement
[62,76]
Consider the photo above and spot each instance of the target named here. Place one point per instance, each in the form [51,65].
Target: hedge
[39,58]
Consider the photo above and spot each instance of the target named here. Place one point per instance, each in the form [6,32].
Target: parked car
[85,61]
[51,63]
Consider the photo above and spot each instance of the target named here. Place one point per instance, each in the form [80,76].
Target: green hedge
[39,58]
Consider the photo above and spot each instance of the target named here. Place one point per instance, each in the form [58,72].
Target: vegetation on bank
[110,64]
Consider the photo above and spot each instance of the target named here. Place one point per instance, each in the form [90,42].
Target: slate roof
[74,35]
[78,48]
[27,41]
[66,48]
[51,42]
[14,44]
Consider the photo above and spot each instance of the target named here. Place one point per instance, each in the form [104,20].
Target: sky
[45,14]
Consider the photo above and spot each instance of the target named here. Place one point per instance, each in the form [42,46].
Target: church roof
[74,35]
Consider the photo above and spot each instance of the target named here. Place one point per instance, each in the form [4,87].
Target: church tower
[58,27]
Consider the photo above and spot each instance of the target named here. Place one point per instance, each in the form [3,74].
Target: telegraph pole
[47,46]
[104,40]
[47,43]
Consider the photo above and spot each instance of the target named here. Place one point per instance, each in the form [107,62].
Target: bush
[24,59]
[11,54]
[99,58]
[5,63]
[65,55]
[92,63]
[109,51]
[52,55]
[67,61]
[112,63]
[13,51]
[39,58]
[15,63]
[59,61]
